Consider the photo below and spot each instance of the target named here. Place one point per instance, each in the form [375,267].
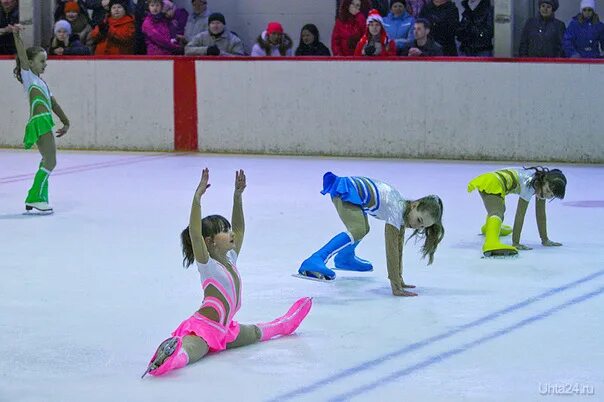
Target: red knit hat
[71,6]
[274,27]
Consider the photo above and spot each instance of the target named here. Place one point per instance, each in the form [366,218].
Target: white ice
[88,293]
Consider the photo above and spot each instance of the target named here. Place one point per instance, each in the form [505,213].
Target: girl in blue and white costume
[354,199]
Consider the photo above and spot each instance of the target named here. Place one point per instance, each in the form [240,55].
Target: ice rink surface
[88,293]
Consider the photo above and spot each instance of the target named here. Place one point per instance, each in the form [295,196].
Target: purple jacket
[157,36]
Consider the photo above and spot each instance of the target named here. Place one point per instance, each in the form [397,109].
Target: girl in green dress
[31,63]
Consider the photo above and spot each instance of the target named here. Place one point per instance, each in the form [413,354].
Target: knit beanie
[588,4]
[374,15]
[71,6]
[553,3]
[62,24]
[403,2]
[274,27]
[216,17]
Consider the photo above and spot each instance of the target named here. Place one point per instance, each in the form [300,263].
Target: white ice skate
[42,208]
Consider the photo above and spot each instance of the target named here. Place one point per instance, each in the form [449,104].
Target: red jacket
[119,38]
[346,35]
[388,46]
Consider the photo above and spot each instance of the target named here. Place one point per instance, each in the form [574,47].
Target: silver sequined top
[381,200]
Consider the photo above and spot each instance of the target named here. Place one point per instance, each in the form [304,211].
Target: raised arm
[21,52]
[542,224]
[518,223]
[200,251]
[394,260]
[237,219]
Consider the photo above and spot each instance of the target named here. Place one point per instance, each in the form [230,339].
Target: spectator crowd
[365,28]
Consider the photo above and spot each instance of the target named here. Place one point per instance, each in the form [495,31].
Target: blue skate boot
[347,261]
[314,266]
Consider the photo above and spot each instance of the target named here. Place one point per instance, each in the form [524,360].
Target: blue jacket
[585,38]
[400,29]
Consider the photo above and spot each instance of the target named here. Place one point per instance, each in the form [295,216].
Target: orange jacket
[119,38]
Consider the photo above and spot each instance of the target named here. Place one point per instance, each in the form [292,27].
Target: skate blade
[310,278]
[350,270]
[149,368]
[496,256]
[34,212]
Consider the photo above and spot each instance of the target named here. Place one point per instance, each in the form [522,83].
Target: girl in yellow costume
[526,182]
[31,63]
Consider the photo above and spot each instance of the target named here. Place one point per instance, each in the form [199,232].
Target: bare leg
[195,347]
[248,334]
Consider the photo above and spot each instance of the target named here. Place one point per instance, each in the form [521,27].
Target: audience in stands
[197,22]
[310,42]
[423,45]
[216,41]
[375,41]
[65,42]
[273,42]
[157,26]
[348,29]
[399,24]
[115,33]
[542,35]
[584,36]
[9,15]
[476,29]
[414,7]
[79,22]
[444,20]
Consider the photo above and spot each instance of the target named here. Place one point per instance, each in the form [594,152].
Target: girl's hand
[521,246]
[62,131]
[240,182]
[203,184]
[549,243]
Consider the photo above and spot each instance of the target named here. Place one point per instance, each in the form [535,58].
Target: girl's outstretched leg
[176,352]
[287,323]
[248,335]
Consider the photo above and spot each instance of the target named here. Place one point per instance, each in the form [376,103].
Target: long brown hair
[31,53]
[432,234]
[210,227]
[344,14]
[554,177]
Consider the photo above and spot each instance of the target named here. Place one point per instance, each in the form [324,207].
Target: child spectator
[65,42]
[156,29]
[79,23]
